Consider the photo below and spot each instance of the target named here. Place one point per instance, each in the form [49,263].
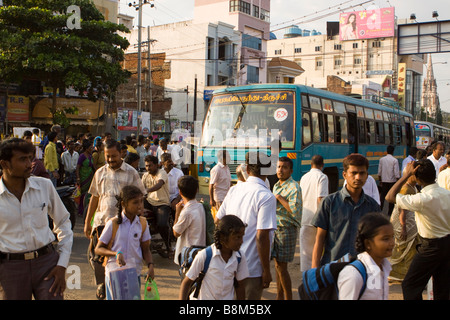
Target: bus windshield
[250,119]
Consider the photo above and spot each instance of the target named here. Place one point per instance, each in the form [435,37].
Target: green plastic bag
[151,290]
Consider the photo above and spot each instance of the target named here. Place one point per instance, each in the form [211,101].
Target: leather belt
[27,255]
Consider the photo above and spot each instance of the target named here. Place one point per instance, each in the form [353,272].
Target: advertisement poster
[367,24]
[401,84]
[18,109]
[127,120]
[145,123]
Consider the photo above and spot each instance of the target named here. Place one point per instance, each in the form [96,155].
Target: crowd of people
[261,218]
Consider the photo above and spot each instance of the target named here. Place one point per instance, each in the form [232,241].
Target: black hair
[227,226]
[52,135]
[355,159]
[150,158]
[166,156]
[8,146]
[126,194]
[368,228]
[131,157]
[288,160]
[113,144]
[27,133]
[390,149]
[188,186]
[426,171]
[254,163]
[85,144]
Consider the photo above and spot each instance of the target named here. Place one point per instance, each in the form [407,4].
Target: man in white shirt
[30,265]
[437,157]
[388,174]
[409,158]
[174,174]
[314,186]
[69,159]
[254,203]
[432,211]
[444,176]
[175,151]
[36,140]
[220,181]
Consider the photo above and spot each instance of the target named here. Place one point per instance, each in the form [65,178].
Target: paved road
[81,284]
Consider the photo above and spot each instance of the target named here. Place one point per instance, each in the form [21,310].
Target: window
[265,15]
[278,52]
[379,133]
[361,131]
[256,11]
[329,127]
[337,62]
[314,102]
[210,48]
[355,45]
[317,127]
[357,61]
[376,44]
[241,6]
[249,41]
[341,130]
[370,132]
[297,50]
[252,74]
[338,47]
[319,63]
[318,48]
[306,128]
[305,102]
[387,134]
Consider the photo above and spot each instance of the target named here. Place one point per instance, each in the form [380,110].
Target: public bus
[427,133]
[307,121]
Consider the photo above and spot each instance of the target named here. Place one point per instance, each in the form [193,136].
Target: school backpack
[321,283]
[187,256]
[209,224]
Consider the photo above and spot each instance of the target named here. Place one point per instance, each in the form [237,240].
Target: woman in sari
[85,173]
[406,236]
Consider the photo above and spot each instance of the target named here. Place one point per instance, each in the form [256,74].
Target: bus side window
[361,131]
[316,127]
[379,132]
[306,129]
[329,122]
[391,134]
[387,137]
[341,129]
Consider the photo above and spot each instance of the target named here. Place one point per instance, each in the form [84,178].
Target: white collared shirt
[221,179]
[256,206]
[437,163]
[107,184]
[314,185]
[219,279]
[350,280]
[24,224]
[69,161]
[128,240]
[432,210]
[444,179]
[388,169]
[191,226]
[370,188]
[174,175]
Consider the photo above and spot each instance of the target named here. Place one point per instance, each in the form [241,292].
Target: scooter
[66,195]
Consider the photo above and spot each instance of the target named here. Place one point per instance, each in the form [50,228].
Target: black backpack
[321,283]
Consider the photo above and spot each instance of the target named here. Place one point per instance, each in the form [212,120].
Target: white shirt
[175,153]
[370,188]
[36,140]
[405,161]
[174,175]
[444,179]
[24,224]
[314,184]
[388,169]
[437,163]
[69,161]
[218,283]
[128,240]
[350,280]
[432,210]
[191,226]
[256,206]
[221,179]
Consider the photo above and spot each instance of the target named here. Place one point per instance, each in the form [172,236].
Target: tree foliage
[36,43]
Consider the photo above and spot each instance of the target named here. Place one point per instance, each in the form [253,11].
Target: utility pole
[195,99]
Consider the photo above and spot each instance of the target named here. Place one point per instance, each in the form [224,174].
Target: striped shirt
[106,184]
[290,190]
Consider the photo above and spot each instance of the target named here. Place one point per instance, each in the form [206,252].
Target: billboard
[424,37]
[401,84]
[18,109]
[367,24]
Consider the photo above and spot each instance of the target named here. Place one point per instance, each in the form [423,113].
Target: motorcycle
[66,195]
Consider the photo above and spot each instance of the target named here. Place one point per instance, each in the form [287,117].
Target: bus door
[352,132]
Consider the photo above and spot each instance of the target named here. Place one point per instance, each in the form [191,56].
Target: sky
[314,15]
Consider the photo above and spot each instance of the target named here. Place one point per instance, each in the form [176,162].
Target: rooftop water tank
[292,32]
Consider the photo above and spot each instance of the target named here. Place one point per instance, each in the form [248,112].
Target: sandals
[100,294]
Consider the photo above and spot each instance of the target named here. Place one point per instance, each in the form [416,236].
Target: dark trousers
[432,260]
[24,279]
[162,214]
[385,187]
[97,261]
